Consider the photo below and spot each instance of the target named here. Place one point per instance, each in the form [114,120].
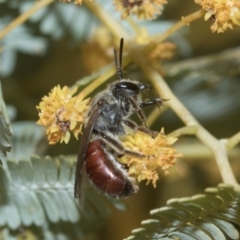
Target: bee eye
[128,86]
[123,89]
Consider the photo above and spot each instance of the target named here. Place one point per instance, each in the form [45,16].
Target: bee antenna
[119,63]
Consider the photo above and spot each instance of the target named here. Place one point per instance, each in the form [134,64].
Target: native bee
[107,120]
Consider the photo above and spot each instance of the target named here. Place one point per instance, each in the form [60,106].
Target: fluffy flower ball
[158,155]
[61,113]
[143,9]
[223,13]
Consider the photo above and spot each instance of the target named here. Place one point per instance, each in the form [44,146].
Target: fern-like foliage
[39,193]
[29,136]
[211,216]
[5,127]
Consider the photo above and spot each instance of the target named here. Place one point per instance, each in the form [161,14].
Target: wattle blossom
[223,13]
[143,9]
[158,151]
[61,113]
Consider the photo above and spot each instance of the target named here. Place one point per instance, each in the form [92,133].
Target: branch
[199,152]
[25,16]
[182,23]
[163,36]
[189,130]
[232,142]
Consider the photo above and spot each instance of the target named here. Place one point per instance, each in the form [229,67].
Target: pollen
[223,13]
[61,113]
[143,9]
[158,154]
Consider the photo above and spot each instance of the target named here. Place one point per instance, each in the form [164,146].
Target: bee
[108,120]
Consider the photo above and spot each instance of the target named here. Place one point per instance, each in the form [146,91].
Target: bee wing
[95,112]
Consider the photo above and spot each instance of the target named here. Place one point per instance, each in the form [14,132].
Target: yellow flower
[224,13]
[158,152]
[60,113]
[144,9]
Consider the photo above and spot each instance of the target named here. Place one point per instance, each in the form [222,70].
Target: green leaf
[38,170]
[181,235]
[49,205]
[16,181]
[13,219]
[65,170]
[5,127]
[25,173]
[225,226]
[210,228]
[51,170]
[194,231]
[27,135]
[39,192]
[206,216]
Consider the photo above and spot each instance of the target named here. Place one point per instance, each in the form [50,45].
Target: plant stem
[232,141]
[188,130]
[23,17]
[163,36]
[184,22]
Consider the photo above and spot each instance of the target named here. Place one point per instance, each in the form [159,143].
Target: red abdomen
[106,174]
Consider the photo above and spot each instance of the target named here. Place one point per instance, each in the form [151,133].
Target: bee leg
[157,101]
[135,127]
[116,145]
[139,111]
